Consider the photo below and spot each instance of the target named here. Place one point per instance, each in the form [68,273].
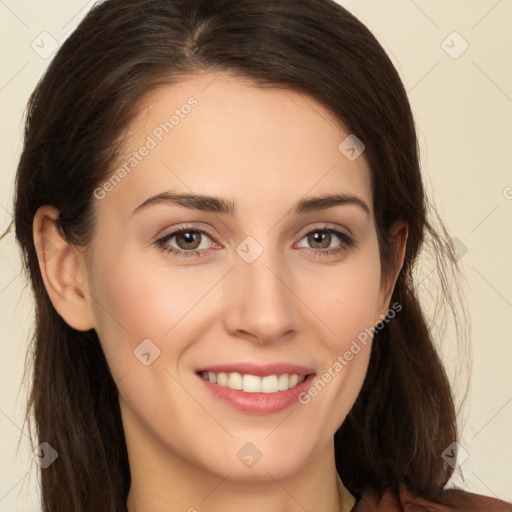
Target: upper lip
[258,370]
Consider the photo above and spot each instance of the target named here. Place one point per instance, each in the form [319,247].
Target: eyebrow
[218,205]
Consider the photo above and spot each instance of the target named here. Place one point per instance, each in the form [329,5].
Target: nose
[260,305]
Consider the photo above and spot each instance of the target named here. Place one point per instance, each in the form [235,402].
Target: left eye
[323,238]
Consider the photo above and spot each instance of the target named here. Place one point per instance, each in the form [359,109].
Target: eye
[326,241]
[186,242]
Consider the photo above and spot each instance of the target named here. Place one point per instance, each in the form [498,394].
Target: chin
[252,457]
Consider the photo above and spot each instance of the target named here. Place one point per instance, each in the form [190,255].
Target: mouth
[257,389]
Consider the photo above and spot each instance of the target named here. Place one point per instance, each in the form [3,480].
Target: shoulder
[448,500]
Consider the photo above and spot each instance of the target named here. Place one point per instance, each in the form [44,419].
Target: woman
[220,206]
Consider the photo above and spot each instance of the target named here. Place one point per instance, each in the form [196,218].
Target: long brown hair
[404,417]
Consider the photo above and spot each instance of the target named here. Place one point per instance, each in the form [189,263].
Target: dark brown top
[449,500]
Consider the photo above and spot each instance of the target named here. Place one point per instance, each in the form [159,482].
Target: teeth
[269,384]
[283,382]
[222,379]
[234,381]
[253,383]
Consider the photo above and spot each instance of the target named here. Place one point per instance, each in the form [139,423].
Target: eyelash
[347,242]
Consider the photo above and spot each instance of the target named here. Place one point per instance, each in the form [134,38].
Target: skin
[263,149]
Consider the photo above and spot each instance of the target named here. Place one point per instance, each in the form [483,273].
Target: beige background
[463,109]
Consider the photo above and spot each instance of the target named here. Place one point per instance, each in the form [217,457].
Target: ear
[62,268]
[398,232]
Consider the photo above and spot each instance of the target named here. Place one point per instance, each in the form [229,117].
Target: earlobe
[62,269]
[398,232]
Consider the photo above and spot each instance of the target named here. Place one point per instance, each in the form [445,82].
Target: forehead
[221,135]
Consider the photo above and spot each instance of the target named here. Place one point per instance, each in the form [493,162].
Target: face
[219,315]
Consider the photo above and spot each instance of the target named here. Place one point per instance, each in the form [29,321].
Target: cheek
[139,310]
[128,307]
[350,312]
[134,301]
[349,302]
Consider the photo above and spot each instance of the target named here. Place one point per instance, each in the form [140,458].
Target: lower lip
[258,403]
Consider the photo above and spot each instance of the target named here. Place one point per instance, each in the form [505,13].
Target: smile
[256,389]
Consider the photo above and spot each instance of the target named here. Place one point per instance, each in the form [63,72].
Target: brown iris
[188,240]
[320,238]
